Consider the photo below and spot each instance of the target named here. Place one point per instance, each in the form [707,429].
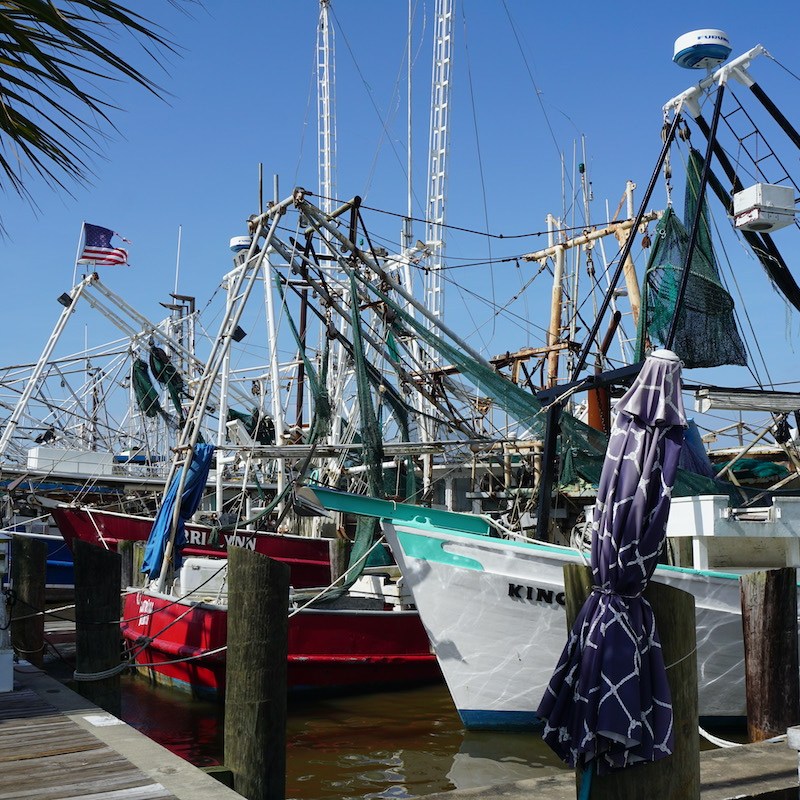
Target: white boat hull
[494,612]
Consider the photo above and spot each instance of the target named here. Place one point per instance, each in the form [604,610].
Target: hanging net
[146,394]
[367,528]
[706,334]
[168,376]
[582,448]
[258,426]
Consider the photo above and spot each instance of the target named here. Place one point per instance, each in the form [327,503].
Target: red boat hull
[308,557]
[328,650]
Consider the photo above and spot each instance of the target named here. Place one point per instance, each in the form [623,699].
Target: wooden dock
[764,771]
[55,744]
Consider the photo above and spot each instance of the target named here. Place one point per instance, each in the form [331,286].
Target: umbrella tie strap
[606,589]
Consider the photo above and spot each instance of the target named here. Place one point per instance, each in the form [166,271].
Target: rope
[12,530]
[87,677]
[716,740]
[682,658]
[332,586]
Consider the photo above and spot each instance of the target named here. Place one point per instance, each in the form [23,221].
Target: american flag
[97,247]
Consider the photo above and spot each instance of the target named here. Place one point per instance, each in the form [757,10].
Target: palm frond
[53,57]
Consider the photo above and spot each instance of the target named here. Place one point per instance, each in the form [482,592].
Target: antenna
[178,258]
[705,49]
[260,188]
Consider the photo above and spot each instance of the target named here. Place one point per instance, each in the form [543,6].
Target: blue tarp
[192,494]
[694,457]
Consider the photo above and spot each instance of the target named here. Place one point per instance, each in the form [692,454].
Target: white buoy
[702,49]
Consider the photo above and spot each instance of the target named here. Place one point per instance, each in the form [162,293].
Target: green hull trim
[432,550]
[333,500]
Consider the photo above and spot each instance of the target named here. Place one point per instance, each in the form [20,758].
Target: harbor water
[402,744]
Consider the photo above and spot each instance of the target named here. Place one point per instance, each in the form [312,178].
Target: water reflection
[190,728]
[403,744]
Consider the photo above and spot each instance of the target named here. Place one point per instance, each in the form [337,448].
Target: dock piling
[676,777]
[28,577]
[97,632]
[769,625]
[256,663]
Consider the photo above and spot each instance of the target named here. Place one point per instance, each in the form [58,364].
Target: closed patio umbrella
[608,703]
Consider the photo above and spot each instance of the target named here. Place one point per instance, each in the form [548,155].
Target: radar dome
[702,49]
[240,243]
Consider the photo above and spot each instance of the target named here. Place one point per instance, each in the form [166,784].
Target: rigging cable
[384,126]
[538,92]
[479,155]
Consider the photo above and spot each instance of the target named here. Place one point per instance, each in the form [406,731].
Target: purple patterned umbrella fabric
[608,701]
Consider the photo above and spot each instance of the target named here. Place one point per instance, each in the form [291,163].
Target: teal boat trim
[432,550]
[333,500]
[568,551]
[469,526]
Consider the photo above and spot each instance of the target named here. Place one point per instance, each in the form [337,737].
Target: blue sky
[533,84]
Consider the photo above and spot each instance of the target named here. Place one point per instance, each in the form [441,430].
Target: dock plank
[47,756]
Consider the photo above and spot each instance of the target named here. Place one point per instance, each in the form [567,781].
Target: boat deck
[55,744]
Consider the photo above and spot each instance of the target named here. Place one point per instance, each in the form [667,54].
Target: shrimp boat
[367,638]
[492,601]
[358,632]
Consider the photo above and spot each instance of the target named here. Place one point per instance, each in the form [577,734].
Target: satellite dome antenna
[705,49]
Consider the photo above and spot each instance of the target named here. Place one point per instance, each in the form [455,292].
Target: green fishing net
[706,334]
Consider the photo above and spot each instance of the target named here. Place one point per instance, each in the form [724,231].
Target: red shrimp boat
[369,639]
[307,556]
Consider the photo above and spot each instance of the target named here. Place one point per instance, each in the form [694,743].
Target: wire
[537,91]
[783,67]
[384,127]
[479,155]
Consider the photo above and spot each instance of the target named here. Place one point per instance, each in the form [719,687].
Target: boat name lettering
[196,537]
[145,612]
[237,540]
[521,592]
[201,538]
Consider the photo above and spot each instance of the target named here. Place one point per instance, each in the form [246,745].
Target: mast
[326,150]
[240,281]
[556,299]
[68,301]
[436,199]
[326,109]
[438,154]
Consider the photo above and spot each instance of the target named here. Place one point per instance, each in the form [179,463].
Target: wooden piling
[97,613]
[28,578]
[255,688]
[676,777]
[769,625]
[127,567]
[339,551]
[132,554]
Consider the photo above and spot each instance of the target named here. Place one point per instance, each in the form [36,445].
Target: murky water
[403,744]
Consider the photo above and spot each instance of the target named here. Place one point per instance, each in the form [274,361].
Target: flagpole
[78,254]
